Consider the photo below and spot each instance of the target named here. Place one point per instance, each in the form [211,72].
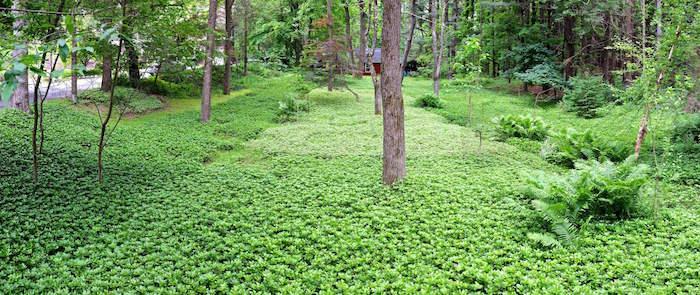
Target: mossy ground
[244,205]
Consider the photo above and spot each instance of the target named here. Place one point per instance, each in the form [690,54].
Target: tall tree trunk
[629,36]
[569,46]
[246,19]
[394,138]
[20,97]
[605,54]
[228,46]
[411,32]
[456,10]
[133,60]
[659,18]
[74,60]
[107,68]
[348,36]
[330,43]
[211,43]
[362,51]
[438,44]
[376,82]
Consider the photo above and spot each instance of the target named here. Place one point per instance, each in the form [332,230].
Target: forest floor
[244,204]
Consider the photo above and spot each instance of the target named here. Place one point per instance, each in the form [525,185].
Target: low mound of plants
[592,191]
[290,109]
[686,134]
[128,100]
[165,88]
[587,95]
[569,145]
[429,101]
[521,126]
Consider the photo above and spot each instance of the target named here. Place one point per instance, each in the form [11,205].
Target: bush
[586,95]
[291,108]
[568,146]
[594,190]
[429,101]
[521,126]
[686,134]
[132,100]
[547,75]
[165,88]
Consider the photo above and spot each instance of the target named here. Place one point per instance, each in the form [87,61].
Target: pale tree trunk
[394,166]
[375,78]
[74,61]
[438,43]
[362,51]
[228,46]
[206,85]
[246,11]
[329,44]
[411,32]
[20,97]
[348,36]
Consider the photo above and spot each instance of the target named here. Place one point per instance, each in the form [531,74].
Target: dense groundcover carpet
[244,205]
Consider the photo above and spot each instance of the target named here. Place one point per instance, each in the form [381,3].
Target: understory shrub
[593,190]
[569,145]
[586,95]
[165,88]
[522,126]
[129,99]
[291,108]
[429,101]
[686,134]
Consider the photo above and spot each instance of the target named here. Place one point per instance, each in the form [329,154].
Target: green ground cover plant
[247,205]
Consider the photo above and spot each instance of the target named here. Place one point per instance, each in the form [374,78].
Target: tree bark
[659,18]
[569,46]
[228,46]
[329,44]
[348,36]
[375,78]
[433,30]
[20,97]
[362,51]
[409,40]
[394,166]
[246,11]
[107,69]
[629,36]
[74,61]
[605,54]
[211,43]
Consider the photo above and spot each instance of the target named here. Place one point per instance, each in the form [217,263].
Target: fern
[546,240]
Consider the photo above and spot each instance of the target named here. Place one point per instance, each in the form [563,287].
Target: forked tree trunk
[228,46]
[409,40]
[394,138]
[362,51]
[206,85]
[348,36]
[20,97]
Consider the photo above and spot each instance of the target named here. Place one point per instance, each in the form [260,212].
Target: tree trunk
[74,61]
[362,51]
[394,137]
[411,32]
[433,30]
[569,46]
[246,11]
[376,82]
[659,18]
[629,36]
[329,44]
[605,54]
[348,36]
[107,68]
[133,60]
[228,46]
[20,97]
[211,43]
